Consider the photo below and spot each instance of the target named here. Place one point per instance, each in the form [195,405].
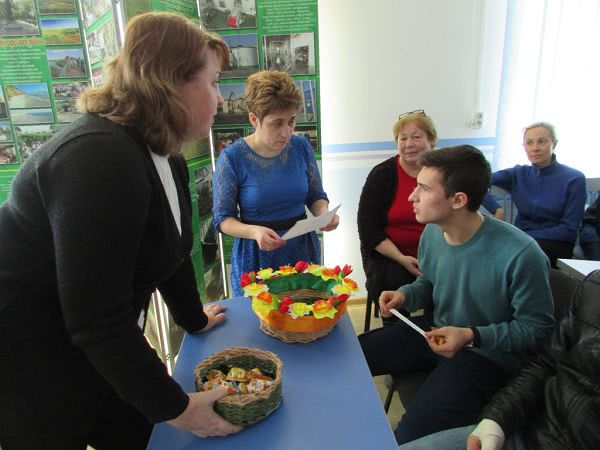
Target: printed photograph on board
[3,108]
[97,76]
[28,116]
[228,14]
[226,136]
[30,137]
[5,134]
[203,180]
[66,63]
[208,237]
[18,18]
[102,43]
[308,109]
[27,95]
[197,148]
[213,282]
[243,55]
[62,31]
[292,53]
[92,10]
[69,90]
[57,6]
[309,132]
[8,154]
[66,110]
[234,108]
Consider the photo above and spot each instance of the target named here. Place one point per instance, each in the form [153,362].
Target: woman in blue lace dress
[263,182]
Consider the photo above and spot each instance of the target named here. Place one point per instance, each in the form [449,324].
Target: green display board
[264,34]
[43,68]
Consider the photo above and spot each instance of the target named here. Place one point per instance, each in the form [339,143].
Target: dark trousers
[118,427]
[455,390]
[383,274]
[556,249]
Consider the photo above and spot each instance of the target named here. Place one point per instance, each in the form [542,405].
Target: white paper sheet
[310,224]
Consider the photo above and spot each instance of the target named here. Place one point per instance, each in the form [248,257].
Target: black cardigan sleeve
[179,291]
[97,219]
[375,200]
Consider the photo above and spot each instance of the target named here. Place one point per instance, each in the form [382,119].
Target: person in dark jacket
[97,219]
[549,196]
[554,402]
[388,231]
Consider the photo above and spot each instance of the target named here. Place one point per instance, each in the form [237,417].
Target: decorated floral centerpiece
[299,303]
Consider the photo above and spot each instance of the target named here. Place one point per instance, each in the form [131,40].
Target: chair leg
[376,309]
[368,315]
[388,399]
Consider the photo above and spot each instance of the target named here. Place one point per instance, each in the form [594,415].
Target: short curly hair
[422,121]
[269,91]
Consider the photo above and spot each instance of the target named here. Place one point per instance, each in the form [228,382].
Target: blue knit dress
[251,187]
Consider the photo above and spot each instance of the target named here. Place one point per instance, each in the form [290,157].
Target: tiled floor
[357,316]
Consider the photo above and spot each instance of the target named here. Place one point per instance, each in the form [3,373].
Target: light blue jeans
[456,439]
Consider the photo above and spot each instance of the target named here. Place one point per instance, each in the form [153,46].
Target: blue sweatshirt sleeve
[419,294]
[570,221]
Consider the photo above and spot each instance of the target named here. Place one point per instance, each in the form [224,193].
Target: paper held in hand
[407,322]
[310,224]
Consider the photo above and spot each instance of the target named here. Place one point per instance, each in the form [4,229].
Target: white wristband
[490,434]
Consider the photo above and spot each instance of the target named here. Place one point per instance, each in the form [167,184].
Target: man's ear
[460,200]
[253,119]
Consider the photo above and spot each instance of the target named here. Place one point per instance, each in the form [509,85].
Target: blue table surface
[329,399]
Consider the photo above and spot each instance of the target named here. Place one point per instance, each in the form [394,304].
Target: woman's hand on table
[200,418]
[267,239]
[216,315]
[411,264]
[335,221]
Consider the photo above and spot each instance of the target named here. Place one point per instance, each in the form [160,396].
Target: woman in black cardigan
[388,231]
[97,219]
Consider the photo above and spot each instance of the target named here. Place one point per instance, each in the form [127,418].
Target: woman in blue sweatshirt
[549,196]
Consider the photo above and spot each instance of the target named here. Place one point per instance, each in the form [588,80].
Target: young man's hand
[389,300]
[448,341]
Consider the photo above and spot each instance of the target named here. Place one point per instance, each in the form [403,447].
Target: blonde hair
[161,51]
[421,120]
[546,125]
[269,91]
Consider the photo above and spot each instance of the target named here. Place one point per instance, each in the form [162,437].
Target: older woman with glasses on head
[389,233]
[549,196]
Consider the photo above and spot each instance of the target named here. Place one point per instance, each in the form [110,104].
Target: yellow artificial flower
[253,289]
[264,274]
[299,309]
[322,308]
[346,287]
[315,269]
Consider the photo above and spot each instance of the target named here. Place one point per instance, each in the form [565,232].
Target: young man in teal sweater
[487,282]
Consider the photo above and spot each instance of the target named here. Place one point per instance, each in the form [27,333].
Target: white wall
[384,57]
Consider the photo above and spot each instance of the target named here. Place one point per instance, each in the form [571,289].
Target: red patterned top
[402,227]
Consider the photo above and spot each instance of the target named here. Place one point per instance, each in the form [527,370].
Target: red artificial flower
[336,301]
[245,281]
[284,305]
[301,266]
[337,270]
[347,270]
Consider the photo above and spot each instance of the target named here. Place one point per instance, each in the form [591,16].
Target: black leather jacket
[554,403]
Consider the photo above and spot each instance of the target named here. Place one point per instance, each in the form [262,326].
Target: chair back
[506,203]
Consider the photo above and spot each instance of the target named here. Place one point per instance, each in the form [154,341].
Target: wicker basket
[245,409]
[302,329]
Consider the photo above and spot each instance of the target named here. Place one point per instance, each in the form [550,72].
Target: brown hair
[463,169]
[269,91]
[423,121]
[161,51]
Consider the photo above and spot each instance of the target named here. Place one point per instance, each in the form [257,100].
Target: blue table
[329,399]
